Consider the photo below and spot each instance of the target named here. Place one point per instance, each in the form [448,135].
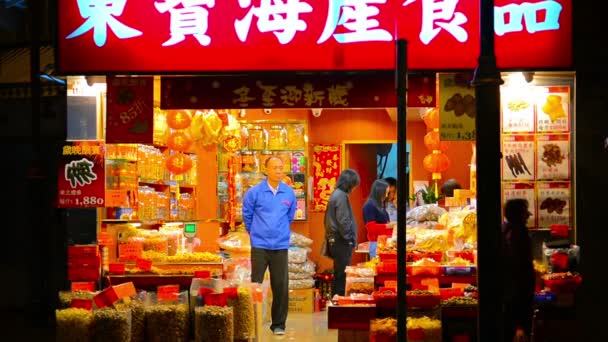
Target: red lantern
[178,119]
[179,141]
[179,163]
[436,162]
[431,119]
[432,141]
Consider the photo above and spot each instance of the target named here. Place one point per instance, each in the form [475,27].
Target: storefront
[311,83]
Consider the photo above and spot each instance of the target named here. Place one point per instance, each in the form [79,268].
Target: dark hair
[391,181]
[348,180]
[447,189]
[515,210]
[377,193]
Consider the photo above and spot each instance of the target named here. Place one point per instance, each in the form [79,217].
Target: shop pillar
[487,81]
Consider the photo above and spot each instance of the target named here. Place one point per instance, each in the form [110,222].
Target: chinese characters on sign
[130,110]
[553,157]
[81,176]
[553,110]
[518,157]
[289,91]
[457,109]
[553,204]
[525,191]
[326,165]
[517,111]
[304,34]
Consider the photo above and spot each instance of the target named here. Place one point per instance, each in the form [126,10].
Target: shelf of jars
[144,190]
[239,171]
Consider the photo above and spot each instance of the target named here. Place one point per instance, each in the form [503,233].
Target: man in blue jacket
[268,210]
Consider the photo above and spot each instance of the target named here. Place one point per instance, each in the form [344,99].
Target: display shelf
[159,222]
[443,279]
[350,317]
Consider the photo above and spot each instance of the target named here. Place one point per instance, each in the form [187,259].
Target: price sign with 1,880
[81,175]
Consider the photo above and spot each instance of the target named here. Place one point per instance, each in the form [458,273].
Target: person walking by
[341,228]
[518,271]
[268,211]
[391,199]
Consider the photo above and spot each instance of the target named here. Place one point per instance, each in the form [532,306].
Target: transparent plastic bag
[213,323]
[299,240]
[168,320]
[298,275]
[307,267]
[244,320]
[359,285]
[137,305]
[73,325]
[297,255]
[238,269]
[427,212]
[238,242]
[356,271]
[301,284]
[112,325]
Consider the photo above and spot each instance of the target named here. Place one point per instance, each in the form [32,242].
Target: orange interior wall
[334,126]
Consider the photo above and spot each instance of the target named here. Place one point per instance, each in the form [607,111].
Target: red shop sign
[226,36]
[81,175]
[130,114]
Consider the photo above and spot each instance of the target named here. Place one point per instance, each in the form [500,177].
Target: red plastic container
[437,256]
[373,337]
[432,271]
[422,301]
[450,292]
[385,299]
[387,267]
[566,285]
[387,256]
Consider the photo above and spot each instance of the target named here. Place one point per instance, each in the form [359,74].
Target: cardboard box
[301,301]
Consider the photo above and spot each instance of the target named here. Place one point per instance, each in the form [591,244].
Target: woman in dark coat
[341,228]
[375,216]
[518,270]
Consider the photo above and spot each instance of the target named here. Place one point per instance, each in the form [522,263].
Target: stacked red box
[84,263]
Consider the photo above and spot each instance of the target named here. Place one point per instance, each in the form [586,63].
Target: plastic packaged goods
[296,136]
[257,138]
[359,272]
[299,275]
[138,317]
[167,322]
[430,328]
[385,327]
[277,137]
[244,321]
[299,240]
[561,259]
[297,255]
[301,284]
[174,237]
[112,325]
[307,267]
[155,241]
[65,297]
[359,285]
[249,162]
[235,242]
[74,325]
[213,323]
[423,213]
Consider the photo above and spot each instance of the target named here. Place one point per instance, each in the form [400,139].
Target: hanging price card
[143,264]
[553,109]
[553,157]
[523,191]
[167,292]
[517,109]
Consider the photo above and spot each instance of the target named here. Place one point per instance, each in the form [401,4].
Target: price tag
[231,292]
[117,269]
[103,239]
[415,334]
[203,291]
[144,264]
[130,251]
[167,292]
[106,298]
[202,274]
[560,260]
[116,198]
[390,284]
[83,286]
[125,290]
[86,304]
[431,283]
[216,299]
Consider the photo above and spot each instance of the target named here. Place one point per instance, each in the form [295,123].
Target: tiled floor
[304,328]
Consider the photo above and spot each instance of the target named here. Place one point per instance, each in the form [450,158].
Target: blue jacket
[267,216]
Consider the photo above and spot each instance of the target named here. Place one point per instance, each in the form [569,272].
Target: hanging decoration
[232,203]
[230,136]
[196,127]
[179,119]
[179,141]
[179,163]
[211,128]
[436,162]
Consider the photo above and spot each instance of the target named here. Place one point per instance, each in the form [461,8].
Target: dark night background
[33,233]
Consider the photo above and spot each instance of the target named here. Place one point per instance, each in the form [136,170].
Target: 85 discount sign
[81,176]
[130,112]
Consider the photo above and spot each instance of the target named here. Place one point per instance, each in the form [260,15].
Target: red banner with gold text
[130,115]
[326,164]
